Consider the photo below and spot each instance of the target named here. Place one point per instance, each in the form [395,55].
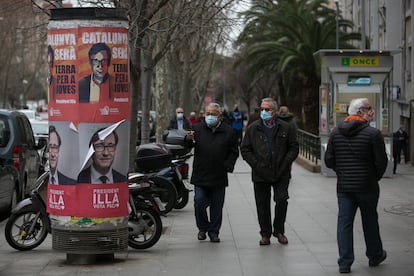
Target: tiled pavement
[311,229]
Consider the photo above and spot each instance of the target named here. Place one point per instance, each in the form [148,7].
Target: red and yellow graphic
[88,74]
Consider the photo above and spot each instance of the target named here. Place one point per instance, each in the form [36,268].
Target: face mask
[211,120]
[266,115]
[180,116]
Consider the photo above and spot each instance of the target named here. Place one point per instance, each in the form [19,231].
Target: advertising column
[89,118]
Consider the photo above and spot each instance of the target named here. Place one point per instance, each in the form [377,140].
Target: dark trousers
[212,197]
[262,194]
[348,203]
[239,133]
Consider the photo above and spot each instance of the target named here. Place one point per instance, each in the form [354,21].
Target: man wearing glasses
[99,85]
[55,176]
[269,147]
[101,172]
[356,152]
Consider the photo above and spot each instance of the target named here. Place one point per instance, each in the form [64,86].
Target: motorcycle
[177,173]
[161,189]
[29,223]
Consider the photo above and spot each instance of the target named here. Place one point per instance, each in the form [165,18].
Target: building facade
[388,25]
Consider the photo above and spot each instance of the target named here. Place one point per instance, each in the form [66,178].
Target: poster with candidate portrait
[88,70]
[89,115]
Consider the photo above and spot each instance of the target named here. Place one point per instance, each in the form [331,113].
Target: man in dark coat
[101,171]
[215,154]
[356,152]
[402,142]
[269,147]
[179,121]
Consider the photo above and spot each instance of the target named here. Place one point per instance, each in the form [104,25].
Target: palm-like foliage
[282,37]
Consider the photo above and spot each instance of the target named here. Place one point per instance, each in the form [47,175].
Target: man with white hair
[356,152]
[215,154]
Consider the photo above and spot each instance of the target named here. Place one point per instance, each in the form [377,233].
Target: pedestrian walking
[402,144]
[253,116]
[269,147]
[236,119]
[179,121]
[356,152]
[215,154]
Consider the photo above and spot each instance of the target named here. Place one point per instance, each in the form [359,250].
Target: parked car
[40,129]
[19,158]
[31,114]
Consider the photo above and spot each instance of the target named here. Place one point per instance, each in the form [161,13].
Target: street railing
[309,146]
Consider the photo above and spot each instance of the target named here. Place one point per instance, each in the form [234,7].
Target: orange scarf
[354,118]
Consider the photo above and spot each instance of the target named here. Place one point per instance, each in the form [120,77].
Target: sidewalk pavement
[310,228]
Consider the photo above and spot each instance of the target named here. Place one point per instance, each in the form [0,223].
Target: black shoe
[214,238]
[376,261]
[345,269]
[201,236]
[264,241]
[281,238]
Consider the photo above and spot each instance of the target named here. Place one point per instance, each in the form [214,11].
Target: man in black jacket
[179,121]
[270,146]
[356,152]
[215,154]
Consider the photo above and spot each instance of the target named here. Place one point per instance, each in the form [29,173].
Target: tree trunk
[161,97]
[146,79]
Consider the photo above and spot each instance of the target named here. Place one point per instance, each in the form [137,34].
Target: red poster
[82,200]
[89,112]
[88,79]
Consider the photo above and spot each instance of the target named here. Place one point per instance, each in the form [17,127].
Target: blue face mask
[266,115]
[211,120]
[180,116]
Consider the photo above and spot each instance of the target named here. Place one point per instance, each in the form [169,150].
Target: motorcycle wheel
[17,227]
[150,225]
[166,191]
[182,199]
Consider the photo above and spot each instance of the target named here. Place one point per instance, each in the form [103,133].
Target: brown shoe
[281,238]
[264,241]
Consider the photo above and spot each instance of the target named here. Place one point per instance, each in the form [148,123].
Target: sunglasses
[266,109]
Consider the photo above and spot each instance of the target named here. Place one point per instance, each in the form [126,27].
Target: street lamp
[337,23]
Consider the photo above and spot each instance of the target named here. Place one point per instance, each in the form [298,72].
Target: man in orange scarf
[356,152]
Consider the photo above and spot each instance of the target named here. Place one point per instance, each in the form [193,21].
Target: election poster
[89,117]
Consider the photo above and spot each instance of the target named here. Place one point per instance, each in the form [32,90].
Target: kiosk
[349,74]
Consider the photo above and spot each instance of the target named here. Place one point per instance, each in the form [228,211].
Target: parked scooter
[165,164]
[150,161]
[177,173]
[29,223]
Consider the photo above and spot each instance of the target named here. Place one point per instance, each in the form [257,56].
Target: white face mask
[211,120]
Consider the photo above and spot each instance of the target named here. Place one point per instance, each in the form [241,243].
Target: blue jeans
[212,197]
[348,203]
